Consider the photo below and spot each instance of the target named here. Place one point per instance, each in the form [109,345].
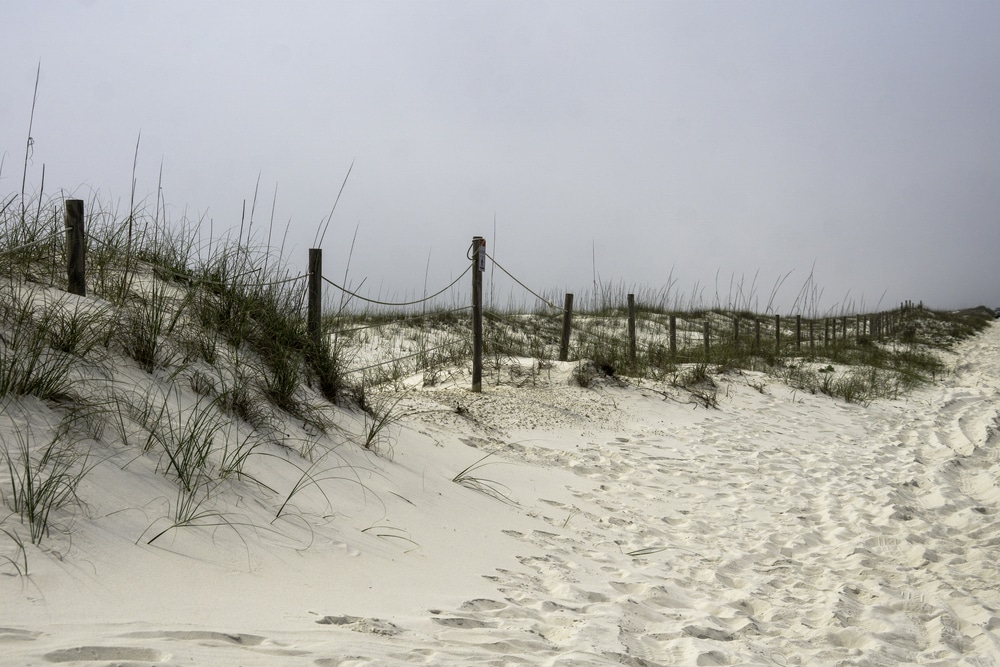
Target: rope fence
[624,337]
[32,244]
[398,304]
[623,334]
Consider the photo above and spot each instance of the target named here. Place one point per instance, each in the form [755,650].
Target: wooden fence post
[315,312]
[777,334]
[76,266]
[478,263]
[707,329]
[798,332]
[567,322]
[843,329]
[673,335]
[812,339]
[631,329]
[756,333]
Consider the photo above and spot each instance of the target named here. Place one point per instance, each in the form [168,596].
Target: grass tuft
[469,478]
[41,482]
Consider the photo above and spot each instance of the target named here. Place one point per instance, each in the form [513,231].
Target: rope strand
[32,244]
[528,289]
[395,359]
[405,303]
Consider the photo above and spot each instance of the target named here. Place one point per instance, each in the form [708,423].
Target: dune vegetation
[193,354]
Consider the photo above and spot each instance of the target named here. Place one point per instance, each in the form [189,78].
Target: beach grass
[195,354]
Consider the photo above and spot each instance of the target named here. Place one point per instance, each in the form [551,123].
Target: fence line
[77,241]
[638,326]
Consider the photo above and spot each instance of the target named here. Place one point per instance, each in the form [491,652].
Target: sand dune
[611,525]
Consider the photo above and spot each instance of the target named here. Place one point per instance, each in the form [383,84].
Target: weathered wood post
[736,332]
[843,329]
[756,333]
[707,329]
[315,289]
[777,334]
[631,329]
[567,322]
[826,331]
[812,339]
[76,265]
[673,335]
[798,332]
[478,265]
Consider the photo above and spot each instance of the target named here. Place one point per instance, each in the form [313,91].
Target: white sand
[641,529]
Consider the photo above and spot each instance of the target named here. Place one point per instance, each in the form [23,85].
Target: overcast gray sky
[699,142]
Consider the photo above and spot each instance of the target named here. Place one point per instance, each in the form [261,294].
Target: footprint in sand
[374,626]
[346,661]
[202,636]
[483,604]
[463,623]
[253,643]
[17,635]
[105,654]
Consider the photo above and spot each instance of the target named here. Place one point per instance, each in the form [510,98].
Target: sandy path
[781,529]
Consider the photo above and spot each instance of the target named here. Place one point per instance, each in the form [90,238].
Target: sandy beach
[625,523]
[499,334]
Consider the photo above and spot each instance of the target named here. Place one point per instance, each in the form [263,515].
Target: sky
[814,156]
